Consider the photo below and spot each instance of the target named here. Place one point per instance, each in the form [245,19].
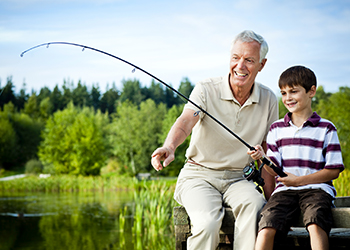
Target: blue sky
[169,39]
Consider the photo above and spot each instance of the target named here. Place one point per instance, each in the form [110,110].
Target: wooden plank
[297,239]
[341,217]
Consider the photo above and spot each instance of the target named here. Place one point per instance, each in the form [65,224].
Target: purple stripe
[336,166]
[303,164]
[277,125]
[330,127]
[299,142]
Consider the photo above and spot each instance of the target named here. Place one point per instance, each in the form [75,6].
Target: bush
[33,167]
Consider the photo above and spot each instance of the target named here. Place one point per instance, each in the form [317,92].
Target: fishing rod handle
[274,168]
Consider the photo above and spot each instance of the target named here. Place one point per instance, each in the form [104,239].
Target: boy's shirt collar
[313,120]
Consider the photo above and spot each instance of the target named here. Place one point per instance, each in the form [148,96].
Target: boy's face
[296,100]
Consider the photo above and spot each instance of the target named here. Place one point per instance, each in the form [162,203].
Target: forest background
[78,130]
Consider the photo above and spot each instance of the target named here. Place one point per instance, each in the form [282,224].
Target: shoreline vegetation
[71,183]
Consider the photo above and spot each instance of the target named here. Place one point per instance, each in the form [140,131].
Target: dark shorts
[284,208]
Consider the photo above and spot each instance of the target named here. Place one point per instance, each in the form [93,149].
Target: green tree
[22,97]
[73,142]
[31,107]
[80,95]
[185,88]
[132,92]
[20,137]
[134,134]
[7,142]
[45,108]
[109,99]
[156,92]
[56,99]
[67,95]
[336,108]
[7,93]
[95,97]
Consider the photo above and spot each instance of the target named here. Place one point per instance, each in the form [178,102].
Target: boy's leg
[276,218]
[315,205]
[318,237]
[265,239]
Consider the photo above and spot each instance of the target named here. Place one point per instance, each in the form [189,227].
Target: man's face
[244,63]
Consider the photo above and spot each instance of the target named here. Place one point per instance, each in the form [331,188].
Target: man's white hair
[248,36]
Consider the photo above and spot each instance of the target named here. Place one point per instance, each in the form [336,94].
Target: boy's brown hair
[298,75]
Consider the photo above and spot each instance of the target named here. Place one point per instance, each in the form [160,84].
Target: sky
[169,39]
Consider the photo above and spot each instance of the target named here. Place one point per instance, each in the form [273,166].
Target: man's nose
[241,64]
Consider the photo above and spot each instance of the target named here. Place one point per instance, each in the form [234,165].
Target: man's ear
[263,62]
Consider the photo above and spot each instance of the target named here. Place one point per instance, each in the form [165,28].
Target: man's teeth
[239,74]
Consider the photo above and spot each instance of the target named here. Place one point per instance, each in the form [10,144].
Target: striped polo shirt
[305,150]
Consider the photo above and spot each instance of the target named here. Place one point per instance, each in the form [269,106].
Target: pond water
[65,221]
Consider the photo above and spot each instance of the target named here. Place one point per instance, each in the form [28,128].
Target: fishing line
[265,160]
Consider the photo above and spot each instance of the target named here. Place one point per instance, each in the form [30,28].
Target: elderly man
[212,176]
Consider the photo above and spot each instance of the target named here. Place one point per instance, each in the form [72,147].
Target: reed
[342,183]
[152,221]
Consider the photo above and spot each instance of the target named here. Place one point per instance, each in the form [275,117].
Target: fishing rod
[264,160]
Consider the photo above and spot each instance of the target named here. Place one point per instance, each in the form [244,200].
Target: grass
[342,184]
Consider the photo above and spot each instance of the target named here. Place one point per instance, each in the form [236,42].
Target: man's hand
[163,154]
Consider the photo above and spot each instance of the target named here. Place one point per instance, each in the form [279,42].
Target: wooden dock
[297,239]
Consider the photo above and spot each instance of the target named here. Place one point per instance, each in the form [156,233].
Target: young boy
[307,148]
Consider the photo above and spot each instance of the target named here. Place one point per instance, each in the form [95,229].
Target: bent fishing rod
[263,159]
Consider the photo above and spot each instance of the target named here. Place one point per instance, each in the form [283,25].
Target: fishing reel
[250,172]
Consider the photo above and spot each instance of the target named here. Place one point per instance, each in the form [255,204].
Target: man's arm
[177,135]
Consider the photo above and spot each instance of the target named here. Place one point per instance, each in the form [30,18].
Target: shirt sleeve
[332,150]
[197,96]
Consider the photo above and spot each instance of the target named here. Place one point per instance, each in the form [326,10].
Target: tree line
[79,130]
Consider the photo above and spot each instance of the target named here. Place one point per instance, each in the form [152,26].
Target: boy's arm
[321,176]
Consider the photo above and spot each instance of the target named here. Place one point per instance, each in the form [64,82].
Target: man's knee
[205,224]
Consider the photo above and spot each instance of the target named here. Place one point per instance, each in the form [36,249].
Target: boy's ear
[312,91]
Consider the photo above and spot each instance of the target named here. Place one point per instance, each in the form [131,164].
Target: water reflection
[64,221]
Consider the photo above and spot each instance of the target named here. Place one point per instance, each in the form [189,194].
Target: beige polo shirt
[214,147]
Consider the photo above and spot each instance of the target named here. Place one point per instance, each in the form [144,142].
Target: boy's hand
[290,180]
[256,154]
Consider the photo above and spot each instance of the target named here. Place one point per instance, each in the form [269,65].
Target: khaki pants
[203,192]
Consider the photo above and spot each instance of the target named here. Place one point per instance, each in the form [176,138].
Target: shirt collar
[313,120]
[226,92]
